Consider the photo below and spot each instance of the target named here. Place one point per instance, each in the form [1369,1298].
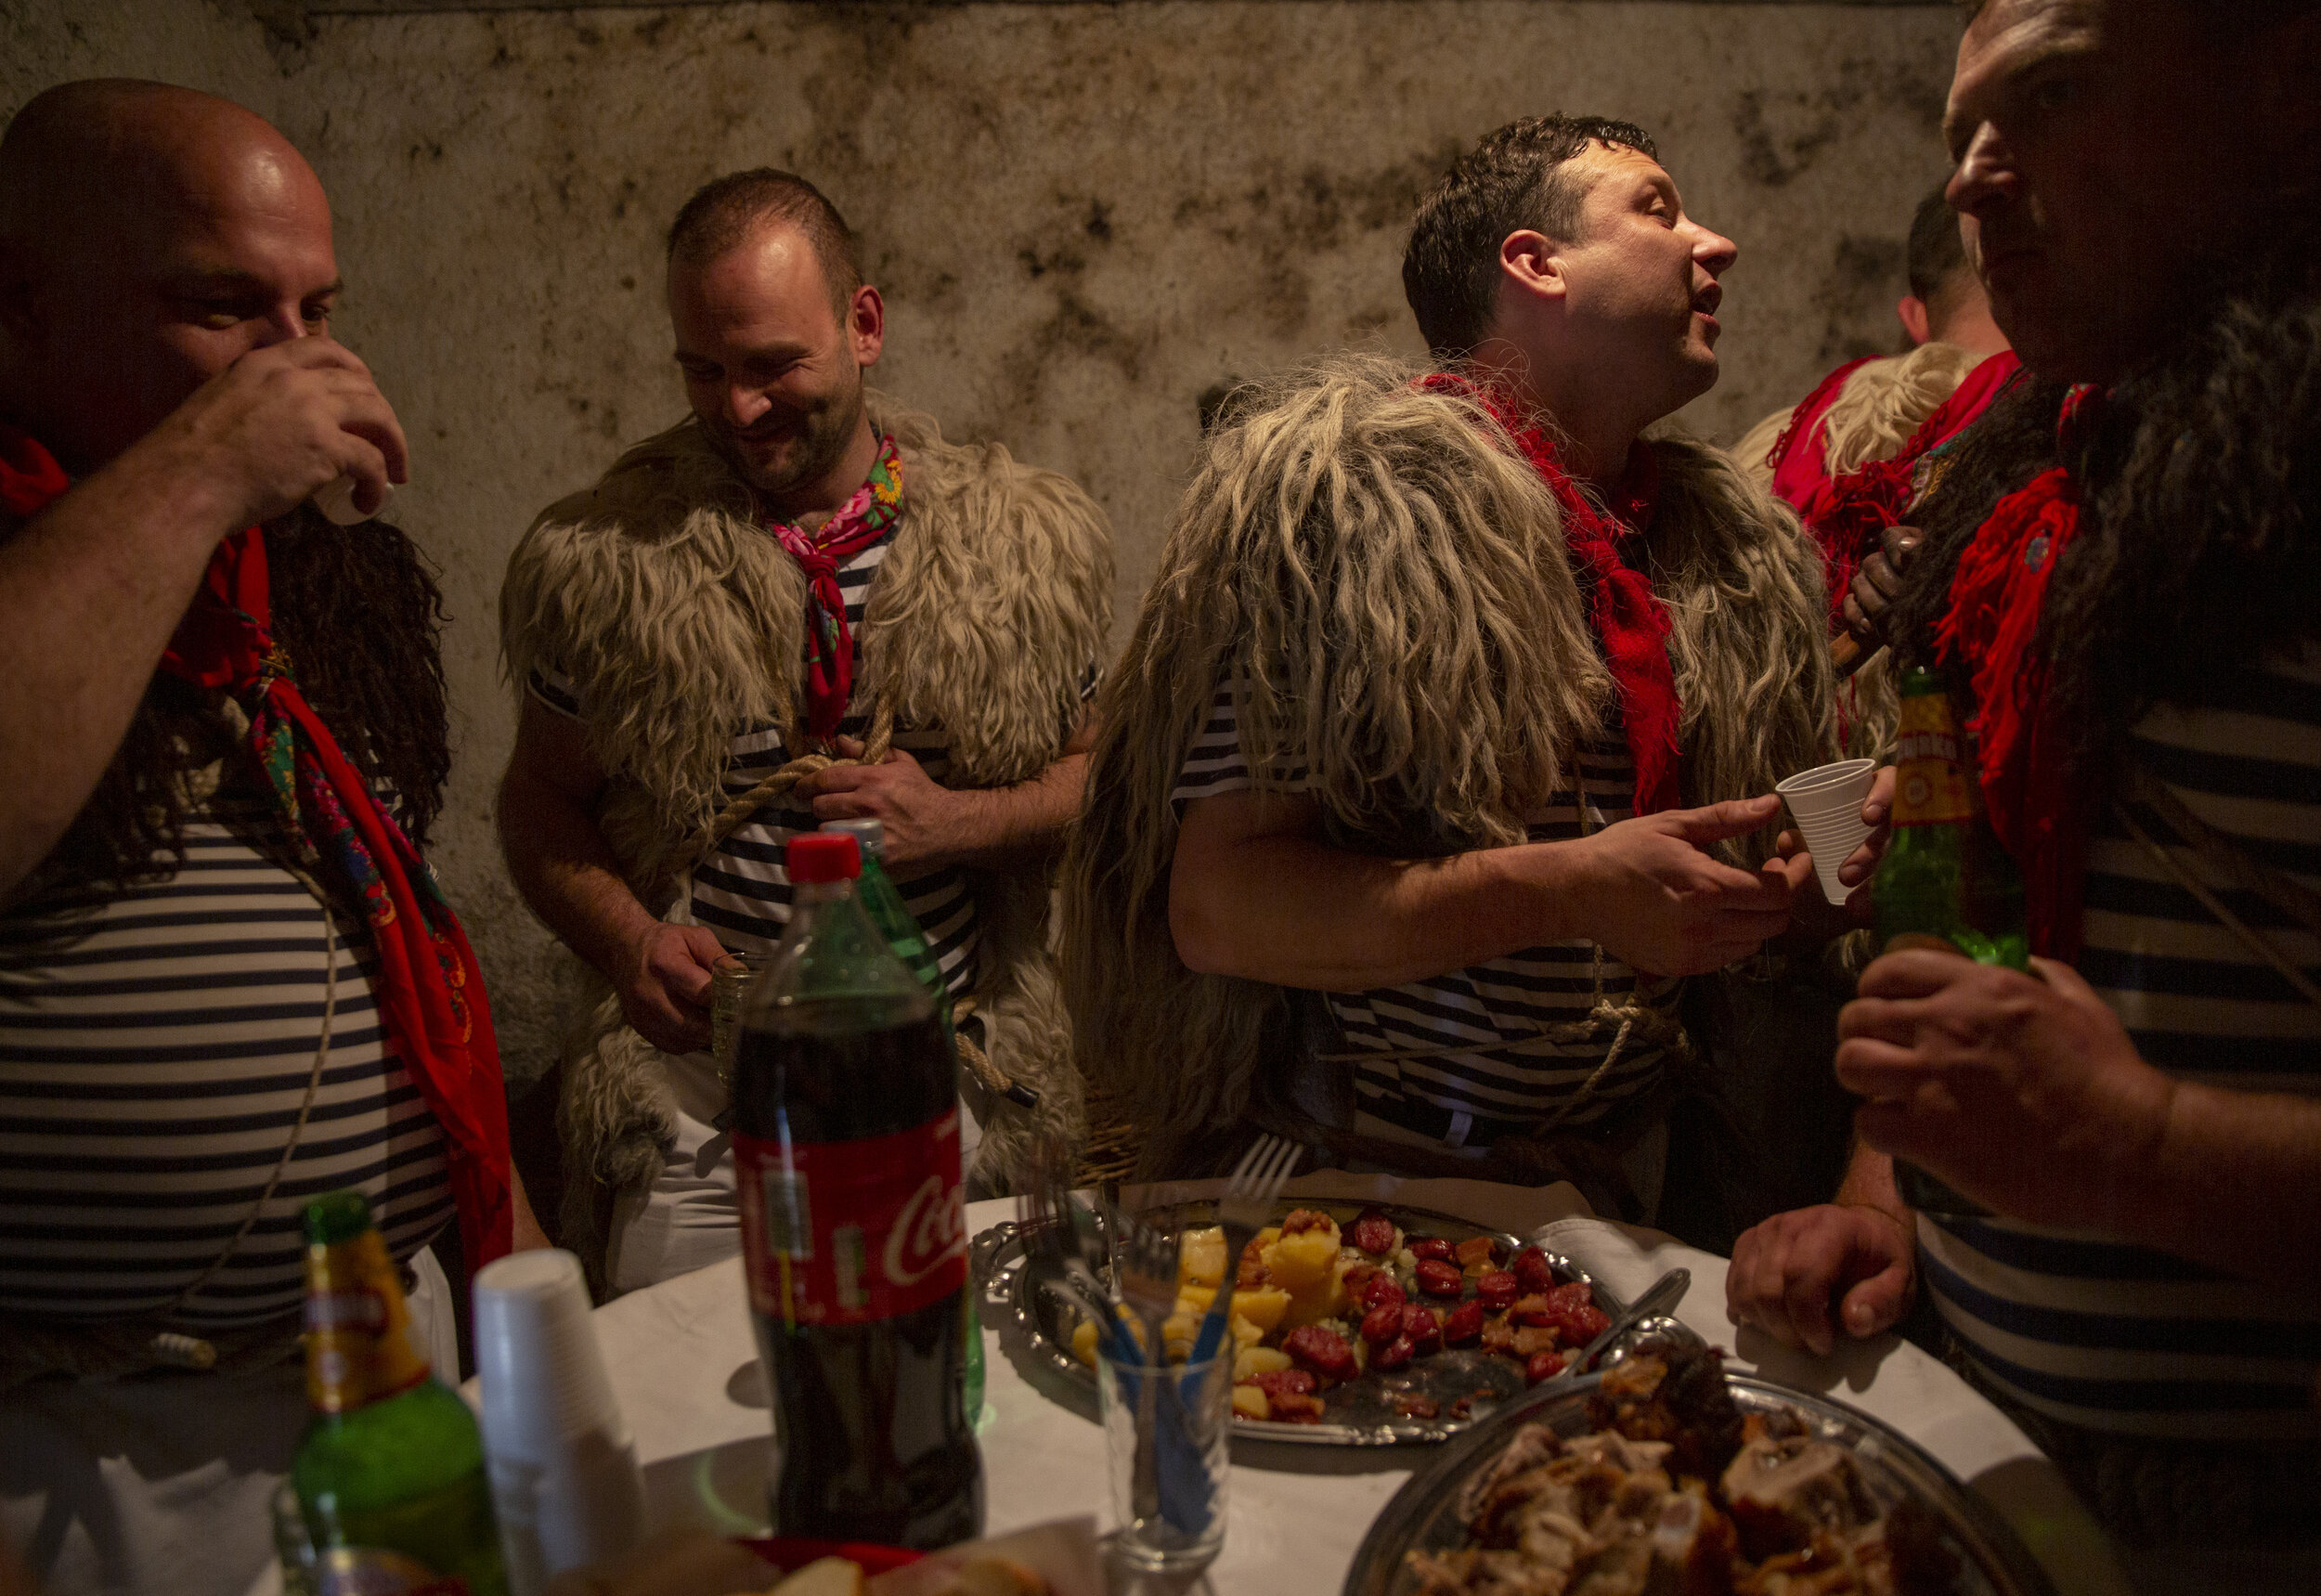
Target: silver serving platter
[1424,1515]
[1359,1413]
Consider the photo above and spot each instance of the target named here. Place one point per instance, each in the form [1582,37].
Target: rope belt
[1588,1158]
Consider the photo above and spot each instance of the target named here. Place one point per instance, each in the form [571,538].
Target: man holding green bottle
[2120,575]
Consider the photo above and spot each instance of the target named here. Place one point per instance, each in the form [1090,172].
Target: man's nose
[744,406]
[281,324]
[1985,172]
[1716,253]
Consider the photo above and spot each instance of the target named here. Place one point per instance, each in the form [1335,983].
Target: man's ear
[867,325]
[1532,263]
[1915,319]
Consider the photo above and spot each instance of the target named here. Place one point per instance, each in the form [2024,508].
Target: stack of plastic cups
[564,1467]
[1826,804]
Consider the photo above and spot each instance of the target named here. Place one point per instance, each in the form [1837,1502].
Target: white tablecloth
[684,1365]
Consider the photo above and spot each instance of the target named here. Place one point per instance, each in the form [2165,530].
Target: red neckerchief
[429,989]
[1800,456]
[1847,514]
[1630,623]
[1992,630]
[863,520]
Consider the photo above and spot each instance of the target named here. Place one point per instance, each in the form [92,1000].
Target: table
[683,1364]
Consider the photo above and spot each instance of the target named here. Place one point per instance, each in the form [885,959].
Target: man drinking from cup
[227,979]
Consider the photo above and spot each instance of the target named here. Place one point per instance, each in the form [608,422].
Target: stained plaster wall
[1083,217]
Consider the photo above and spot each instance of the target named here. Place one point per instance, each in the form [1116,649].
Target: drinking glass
[1168,1477]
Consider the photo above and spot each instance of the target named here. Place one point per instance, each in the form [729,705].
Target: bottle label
[1930,776]
[359,1328]
[849,1233]
[373,1571]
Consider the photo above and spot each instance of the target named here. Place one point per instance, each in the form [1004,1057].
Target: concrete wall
[212,44]
[1082,216]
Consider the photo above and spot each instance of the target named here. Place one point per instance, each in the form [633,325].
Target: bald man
[227,983]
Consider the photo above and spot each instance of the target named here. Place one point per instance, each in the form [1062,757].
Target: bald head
[149,236]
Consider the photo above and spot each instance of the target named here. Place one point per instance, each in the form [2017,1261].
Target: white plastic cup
[336,498]
[1825,803]
[564,1480]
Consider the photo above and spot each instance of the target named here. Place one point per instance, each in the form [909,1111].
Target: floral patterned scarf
[429,988]
[860,522]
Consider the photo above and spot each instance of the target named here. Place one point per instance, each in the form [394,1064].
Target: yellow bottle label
[1930,775]
[359,1328]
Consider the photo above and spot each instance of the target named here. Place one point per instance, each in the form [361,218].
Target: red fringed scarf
[1991,630]
[1847,514]
[1800,456]
[429,988]
[863,520]
[1630,623]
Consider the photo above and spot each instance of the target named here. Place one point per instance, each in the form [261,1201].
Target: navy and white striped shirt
[155,1046]
[2115,1337]
[1472,1099]
[742,891]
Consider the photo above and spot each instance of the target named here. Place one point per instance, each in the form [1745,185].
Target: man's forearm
[1293,912]
[1024,824]
[90,591]
[1869,1183]
[567,874]
[2236,1186]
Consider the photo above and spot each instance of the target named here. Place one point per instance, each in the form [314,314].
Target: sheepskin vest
[1388,579]
[683,620]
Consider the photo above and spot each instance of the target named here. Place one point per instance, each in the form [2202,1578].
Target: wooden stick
[1847,656]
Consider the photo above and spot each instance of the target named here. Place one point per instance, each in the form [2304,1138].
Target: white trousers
[166,1483]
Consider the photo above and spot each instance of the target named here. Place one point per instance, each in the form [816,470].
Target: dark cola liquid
[872,1442]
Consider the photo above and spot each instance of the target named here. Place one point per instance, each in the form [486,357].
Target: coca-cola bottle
[846,1140]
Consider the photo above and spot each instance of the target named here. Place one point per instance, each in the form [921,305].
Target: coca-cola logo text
[930,1232]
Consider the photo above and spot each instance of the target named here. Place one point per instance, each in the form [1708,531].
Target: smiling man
[801,567]
[2118,574]
[1433,764]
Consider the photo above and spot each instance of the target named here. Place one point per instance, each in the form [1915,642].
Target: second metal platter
[1424,1515]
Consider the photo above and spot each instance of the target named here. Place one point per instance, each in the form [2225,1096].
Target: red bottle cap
[823,856]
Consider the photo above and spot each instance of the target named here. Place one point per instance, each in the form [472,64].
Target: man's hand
[1660,904]
[1877,584]
[2024,1095]
[1787,1272]
[664,985]
[927,825]
[276,425]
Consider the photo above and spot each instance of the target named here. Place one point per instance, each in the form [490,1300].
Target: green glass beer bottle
[883,900]
[1946,881]
[1945,877]
[390,1476]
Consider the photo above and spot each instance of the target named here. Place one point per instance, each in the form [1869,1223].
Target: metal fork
[1045,1210]
[1250,1196]
[1144,1265]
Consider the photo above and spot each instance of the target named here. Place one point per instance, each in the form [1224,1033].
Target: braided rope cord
[781,784]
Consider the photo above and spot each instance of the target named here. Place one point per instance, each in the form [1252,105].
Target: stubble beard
[827,429]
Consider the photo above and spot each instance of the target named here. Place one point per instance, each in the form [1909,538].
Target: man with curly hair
[2118,575]
[229,982]
[1443,748]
